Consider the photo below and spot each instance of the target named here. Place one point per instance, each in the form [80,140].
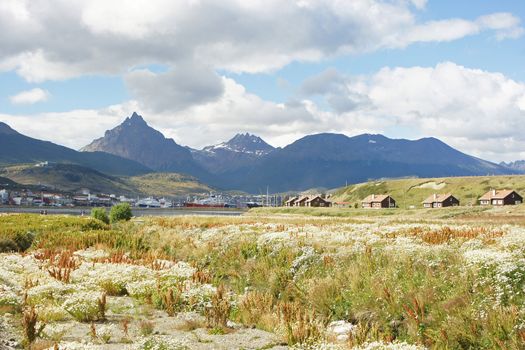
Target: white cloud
[30,97]
[503,25]
[177,89]
[104,37]
[472,109]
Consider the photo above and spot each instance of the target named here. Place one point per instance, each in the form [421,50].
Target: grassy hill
[8,183]
[408,192]
[73,178]
[67,178]
[167,184]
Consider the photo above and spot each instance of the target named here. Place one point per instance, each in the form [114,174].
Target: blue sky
[201,73]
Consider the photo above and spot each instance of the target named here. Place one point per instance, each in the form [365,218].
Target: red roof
[496,194]
[437,198]
[375,198]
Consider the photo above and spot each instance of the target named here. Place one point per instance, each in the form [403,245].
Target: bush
[7,246]
[24,240]
[100,214]
[94,225]
[120,212]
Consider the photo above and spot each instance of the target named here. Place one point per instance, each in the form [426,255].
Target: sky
[201,71]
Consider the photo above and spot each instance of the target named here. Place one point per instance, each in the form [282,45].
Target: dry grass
[256,307]
[219,311]
[191,325]
[300,324]
[102,305]
[29,321]
[171,301]
[447,234]
[146,327]
[60,268]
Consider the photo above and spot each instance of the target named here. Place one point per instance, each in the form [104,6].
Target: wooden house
[378,201]
[301,201]
[501,197]
[290,202]
[317,201]
[440,201]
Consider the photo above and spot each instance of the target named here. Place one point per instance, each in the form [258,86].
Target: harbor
[136,211]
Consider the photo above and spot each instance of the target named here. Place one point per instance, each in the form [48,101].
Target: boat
[204,205]
[210,202]
[148,203]
[253,205]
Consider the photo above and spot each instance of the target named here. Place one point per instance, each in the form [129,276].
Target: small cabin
[440,201]
[301,201]
[501,197]
[375,201]
[290,202]
[318,201]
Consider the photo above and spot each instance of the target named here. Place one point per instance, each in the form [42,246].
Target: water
[136,211]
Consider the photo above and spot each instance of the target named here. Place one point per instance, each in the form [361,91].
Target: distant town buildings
[86,198]
[42,164]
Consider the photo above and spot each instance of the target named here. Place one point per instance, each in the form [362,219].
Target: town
[33,198]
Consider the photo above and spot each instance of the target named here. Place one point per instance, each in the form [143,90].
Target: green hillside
[411,192]
[167,184]
[73,178]
[66,178]
[8,183]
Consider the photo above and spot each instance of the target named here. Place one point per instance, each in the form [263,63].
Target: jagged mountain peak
[135,122]
[245,137]
[135,139]
[518,165]
[135,119]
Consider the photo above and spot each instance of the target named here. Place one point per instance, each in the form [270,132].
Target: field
[271,279]
[411,192]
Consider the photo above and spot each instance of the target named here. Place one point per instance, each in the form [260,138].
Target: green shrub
[24,240]
[100,214]
[94,225]
[120,212]
[7,246]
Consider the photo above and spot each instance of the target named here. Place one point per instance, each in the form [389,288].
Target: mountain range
[246,162]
